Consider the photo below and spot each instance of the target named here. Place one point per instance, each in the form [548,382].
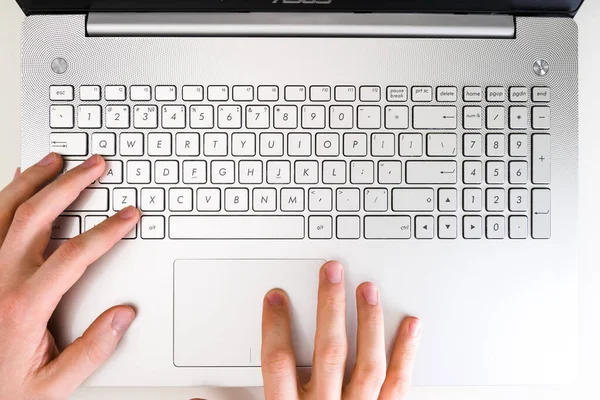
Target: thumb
[79,360]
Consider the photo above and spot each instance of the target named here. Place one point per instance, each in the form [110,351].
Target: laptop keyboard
[318,162]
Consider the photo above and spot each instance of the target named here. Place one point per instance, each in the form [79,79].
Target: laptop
[429,146]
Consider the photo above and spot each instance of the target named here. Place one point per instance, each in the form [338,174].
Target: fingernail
[414,328]
[371,294]
[123,319]
[333,272]
[128,213]
[275,299]
[90,162]
[17,173]
[48,160]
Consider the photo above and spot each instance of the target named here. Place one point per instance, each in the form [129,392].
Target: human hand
[31,286]
[369,380]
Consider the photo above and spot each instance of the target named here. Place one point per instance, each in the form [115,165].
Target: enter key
[541,213]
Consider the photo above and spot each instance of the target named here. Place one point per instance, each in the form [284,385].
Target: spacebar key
[236,227]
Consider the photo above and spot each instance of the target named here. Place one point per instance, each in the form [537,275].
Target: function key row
[298,93]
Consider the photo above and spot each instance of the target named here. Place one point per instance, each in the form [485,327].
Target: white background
[589,227]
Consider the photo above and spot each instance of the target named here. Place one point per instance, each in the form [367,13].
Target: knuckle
[12,306]
[93,351]
[25,213]
[335,353]
[369,374]
[335,304]
[398,383]
[71,250]
[279,363]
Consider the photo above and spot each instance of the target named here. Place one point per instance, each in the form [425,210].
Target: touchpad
[217,314]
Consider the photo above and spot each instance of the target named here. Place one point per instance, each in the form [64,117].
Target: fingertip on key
[128,212]
[48,160]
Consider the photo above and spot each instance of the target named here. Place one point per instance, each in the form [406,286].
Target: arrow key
[447,228]
[447,200]
[424,228]
[472,227]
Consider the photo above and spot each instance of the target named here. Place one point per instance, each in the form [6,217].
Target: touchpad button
[218,309]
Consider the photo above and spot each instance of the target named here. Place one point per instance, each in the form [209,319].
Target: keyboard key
[194,172]
[472,94]
[472,227]
[341,117]
[244,144]
[411,145]
[431,172]
[187,144]
[295,93]
[541,159]
[193,93]
[166,93]
[152,227]
[495,94]
[495,200]
[90,93]
[446,94]
[286,117]
[472,174]
[320,93]
[472,200]
[327,144]
[215,144]
[115,93]
[91,221]
[334,172]
[173,117]
[434,117]
[243,93]
[472,117]
[540,118]
[251,172]
[348,227]
[396,117]
[495,117]
[292,200]
[517,227]
[131,144]
[138,172]
[518,172]
[91,199]
[202,117]
[362,172]
[376,200]
[152,199]
[518,200]
[541,94]
[264,199]
[413,199]
[69,144]
[495,174]
[320,227]
[230,117]
[494,227]
[517,146]
[495,145]
[159,144]
[299,144]
[268,93]
[145,117]
[388,227]
[390,172]
[441,145]
[104,144]
[208,200]
[355,144]
[180,199]
[383,145]
[166,172]
[348,200]
[518,94]
[345,93]
[447,200]
[258,117]
[140,93]
[113,173]
[222,172]
[370,93]
[320,200]
[313,117]
[447,227]
[65,227]
[472,145]
[424,228]
[422,93]
[62,117]
[117,117]
[278,172]
[218,93]
[518,118]
[271,144]
[541,213]
[61,93]
[236,200]
[397,93]
[306,172]
[236,227]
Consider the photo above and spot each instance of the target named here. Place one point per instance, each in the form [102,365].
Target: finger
[79,360]
[331,342]
[68,263]
[17,173]
[399,373]
[277,355]
[33,218]
[24,186]
[369,371]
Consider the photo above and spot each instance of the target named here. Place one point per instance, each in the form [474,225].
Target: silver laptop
[430,146]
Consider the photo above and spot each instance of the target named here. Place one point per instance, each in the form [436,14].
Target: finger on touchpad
[218,309]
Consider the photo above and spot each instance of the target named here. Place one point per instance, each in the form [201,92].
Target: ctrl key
[387,227]
[153,227]
[66,227]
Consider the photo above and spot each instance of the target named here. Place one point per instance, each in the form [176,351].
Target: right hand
[370,380]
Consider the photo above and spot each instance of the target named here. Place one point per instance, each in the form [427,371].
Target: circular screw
[541,67]
[59,65]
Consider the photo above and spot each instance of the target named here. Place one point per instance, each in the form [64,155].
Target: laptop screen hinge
[301,25]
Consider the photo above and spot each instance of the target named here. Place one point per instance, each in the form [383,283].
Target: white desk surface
[589,227]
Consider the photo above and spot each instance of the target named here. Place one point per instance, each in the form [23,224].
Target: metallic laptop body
[430,147]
